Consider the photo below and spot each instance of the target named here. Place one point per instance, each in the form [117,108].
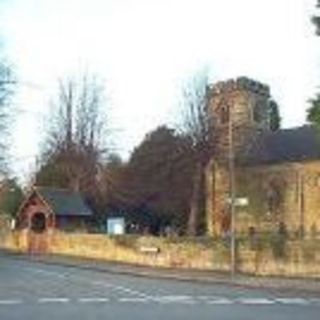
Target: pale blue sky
[144,49]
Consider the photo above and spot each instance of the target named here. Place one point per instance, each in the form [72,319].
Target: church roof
[286,145]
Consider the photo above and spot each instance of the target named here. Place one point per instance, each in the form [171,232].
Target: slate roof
[286,145]
[64,202]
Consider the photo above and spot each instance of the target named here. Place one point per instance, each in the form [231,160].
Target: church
[277,172]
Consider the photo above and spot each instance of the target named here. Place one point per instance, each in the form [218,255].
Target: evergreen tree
[313,113]
[274,116]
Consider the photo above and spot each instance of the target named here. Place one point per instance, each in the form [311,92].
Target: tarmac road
[33,290]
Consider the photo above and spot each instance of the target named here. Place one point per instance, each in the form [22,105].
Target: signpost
[237,202]
[233,201]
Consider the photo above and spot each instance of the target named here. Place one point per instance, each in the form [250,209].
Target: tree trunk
[195,201]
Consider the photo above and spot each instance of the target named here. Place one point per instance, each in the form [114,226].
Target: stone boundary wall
[293,259]
[151,251]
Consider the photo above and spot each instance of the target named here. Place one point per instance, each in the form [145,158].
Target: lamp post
[231,166]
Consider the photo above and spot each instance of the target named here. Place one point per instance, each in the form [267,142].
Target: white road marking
[133,300]
[130,291]
[64,275]
[256,301]
[220,301]
[46,272]
[85,300]
[121,288]
[53,300]
[175,299]
[208,297]
[143,297]
[299,301]
[10,302]
[100,283]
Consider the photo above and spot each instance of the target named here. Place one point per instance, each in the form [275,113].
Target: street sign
[12,224]
[239,202]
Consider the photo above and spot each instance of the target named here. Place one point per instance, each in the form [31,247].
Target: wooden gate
[37,242]
[38,235]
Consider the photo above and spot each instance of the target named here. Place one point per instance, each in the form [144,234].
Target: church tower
[239,108]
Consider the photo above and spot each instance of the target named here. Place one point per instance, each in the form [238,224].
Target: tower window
[258,113]
[224,114]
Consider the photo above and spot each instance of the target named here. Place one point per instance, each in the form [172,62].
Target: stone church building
[277,171]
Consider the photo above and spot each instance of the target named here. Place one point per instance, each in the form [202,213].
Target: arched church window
[275,196]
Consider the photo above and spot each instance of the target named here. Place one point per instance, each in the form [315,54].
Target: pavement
[53,289]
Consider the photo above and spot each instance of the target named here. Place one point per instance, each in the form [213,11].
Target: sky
[144,50]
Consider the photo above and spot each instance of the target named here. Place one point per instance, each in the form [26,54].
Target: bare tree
[75,142]
[198,126]
[6,90]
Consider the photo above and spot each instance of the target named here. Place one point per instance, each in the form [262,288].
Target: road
[33,290]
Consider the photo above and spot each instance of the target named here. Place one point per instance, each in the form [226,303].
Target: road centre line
[300,301]
[176,297]
[208,297]
[85,300]
[10,302]
[255,301]
[133,299]
[53,300]
[172,298]
[221,301]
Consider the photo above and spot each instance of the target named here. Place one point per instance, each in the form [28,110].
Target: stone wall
[137,250]
[294,188]
[292,259]
[298,200]
[263,257]
[15,241]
